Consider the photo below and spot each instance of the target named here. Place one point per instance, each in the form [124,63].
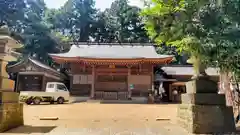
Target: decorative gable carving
[30,68]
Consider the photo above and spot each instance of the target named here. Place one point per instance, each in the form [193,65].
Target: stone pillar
[93,82]
[203,111]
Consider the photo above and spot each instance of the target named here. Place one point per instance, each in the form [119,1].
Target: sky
[100,4]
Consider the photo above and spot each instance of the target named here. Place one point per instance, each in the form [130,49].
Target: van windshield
[61,87]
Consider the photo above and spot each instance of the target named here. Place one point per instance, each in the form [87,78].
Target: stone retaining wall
[11,111]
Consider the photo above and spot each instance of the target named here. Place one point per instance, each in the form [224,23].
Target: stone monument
[203,110]
[11,111]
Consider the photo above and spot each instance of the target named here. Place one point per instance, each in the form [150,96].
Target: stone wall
[11,111]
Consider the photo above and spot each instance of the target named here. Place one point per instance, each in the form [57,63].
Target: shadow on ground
[132,102]
[31,129]
[120,102]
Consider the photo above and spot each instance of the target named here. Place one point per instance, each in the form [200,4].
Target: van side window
[61,87]
[50,85]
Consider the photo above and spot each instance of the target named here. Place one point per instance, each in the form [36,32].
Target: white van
[55,92]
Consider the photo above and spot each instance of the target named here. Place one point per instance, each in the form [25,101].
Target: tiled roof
[36,63]
[43,65]
[112,51]
[187,70]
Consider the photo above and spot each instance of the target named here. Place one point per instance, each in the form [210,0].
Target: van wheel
[29,102]
[60,100]
[36,101]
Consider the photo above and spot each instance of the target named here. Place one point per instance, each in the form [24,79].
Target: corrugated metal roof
[187,70]
[114,51]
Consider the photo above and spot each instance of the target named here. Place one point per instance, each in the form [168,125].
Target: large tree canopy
[42,30]
[207,30]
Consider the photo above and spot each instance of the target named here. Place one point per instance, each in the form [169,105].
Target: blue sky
[101,4]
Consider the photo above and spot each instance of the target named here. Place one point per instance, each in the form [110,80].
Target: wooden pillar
[43,82]
[71,82]
[17,84]
[152,78]
[128,84]
[93,82]
[170,92]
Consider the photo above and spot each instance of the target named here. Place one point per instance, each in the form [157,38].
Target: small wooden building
[33,75]
[111,71]
[178,75]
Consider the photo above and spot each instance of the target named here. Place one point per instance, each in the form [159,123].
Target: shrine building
[111,70]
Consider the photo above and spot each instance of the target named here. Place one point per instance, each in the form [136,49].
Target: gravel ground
[100,119]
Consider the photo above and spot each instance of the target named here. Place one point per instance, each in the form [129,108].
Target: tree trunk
[199,67]
[225,88]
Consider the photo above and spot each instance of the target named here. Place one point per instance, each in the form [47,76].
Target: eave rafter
[101,61]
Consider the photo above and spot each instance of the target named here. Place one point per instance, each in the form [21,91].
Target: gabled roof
[35,62]
[187,70]
[43,65]
[112,52]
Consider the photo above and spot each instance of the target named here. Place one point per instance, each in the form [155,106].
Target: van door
[63,91]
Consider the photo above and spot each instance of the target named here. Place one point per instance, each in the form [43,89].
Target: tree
[170,22]
[44,30]
[126,22]
[37,36]
[207,30]
[12,12]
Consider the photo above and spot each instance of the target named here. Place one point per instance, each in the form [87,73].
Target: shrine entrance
[111,82]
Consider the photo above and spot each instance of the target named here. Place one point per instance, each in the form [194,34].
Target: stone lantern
[203,110]
[7,44]
[11,111]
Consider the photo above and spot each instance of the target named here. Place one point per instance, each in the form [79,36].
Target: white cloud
[138,3]
[55,3]
[102,4]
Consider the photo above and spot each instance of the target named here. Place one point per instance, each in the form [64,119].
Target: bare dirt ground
[97,116]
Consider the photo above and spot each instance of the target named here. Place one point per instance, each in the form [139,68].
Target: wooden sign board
[111,66]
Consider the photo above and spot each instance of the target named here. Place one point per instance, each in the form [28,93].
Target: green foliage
[44,30]
[171,23]
[125,22]
[11,11]
[205,29]
[121,22]
[180,58]
[25,18]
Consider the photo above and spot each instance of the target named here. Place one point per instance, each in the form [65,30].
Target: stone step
[203,99]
